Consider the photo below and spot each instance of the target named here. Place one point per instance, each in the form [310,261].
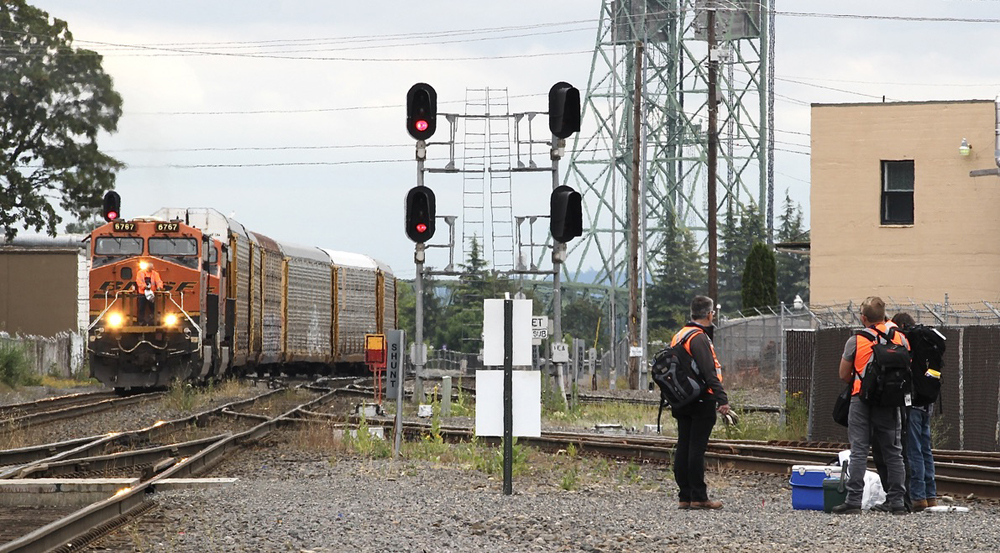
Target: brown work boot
[932,502]
[708,504]
[919,505]
[684,505]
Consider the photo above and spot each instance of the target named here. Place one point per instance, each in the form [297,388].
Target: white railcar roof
[349,259]
[209,220]
[305,252]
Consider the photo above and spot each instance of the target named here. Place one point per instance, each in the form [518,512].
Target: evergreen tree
[793,269]
[582,317]
[679,275]
[737,237]
[461,328]
[760,284]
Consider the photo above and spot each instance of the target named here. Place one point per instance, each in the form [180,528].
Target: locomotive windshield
[181,250]
[111,248]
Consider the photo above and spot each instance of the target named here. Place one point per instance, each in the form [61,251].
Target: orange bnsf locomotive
[231,302]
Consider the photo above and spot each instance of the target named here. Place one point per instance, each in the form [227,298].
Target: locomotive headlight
[143,265]
[170,319]
[115,320]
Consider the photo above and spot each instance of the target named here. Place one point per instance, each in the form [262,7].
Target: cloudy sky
[291,115]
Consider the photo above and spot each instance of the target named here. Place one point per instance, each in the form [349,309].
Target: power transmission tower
[671,90]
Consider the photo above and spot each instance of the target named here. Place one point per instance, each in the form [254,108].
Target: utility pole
[633,249]
[713,152]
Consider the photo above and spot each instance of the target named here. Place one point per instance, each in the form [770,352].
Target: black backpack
[680,384]
[887,377]
[927,359]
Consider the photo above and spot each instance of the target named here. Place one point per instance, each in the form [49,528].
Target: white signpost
[507,342]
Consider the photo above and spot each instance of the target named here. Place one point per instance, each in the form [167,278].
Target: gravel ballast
[289,500]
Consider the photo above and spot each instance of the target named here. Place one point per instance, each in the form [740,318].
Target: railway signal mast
[565,209]
[421,122]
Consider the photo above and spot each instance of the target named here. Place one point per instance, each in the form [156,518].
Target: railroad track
[52,409]
[118,452]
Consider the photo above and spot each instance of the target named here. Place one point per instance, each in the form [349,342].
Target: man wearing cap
[147,281]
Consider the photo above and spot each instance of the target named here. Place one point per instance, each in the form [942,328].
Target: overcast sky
[291,115]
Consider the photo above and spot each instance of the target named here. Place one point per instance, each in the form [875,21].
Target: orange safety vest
[687,347]
[864,350]
[154,280]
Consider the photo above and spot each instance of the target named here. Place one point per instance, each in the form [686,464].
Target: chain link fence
[799,350]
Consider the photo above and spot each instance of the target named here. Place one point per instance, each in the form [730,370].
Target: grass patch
[586,415]
[15,367]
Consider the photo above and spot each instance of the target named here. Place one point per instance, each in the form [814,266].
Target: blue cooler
[807,485]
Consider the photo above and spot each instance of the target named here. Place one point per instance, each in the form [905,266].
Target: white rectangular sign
[526,397]
[493,333]
[540,328]
[560,353]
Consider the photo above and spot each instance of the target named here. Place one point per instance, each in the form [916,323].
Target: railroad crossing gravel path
[292,500]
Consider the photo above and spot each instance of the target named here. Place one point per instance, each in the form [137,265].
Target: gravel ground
[287,499]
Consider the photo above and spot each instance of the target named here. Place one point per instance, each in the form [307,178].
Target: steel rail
[67,532]
[61,413]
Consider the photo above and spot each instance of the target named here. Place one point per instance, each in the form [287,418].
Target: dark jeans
[694,426]
[147,311]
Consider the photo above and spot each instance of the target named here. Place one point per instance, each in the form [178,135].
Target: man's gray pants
[884,422]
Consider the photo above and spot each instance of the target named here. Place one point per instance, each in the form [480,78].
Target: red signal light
[421,228]
[421,125]
[112,215]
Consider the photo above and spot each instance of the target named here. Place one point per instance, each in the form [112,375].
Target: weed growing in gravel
[320,436]
[568,481]
[461,407]
[490,459]
[182,397]
[365,444]
[631,474]
[59,383]
[571,451]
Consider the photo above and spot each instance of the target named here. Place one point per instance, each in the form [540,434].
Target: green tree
[760,284]
[582,317]
[679,275]
[462,326]
[84,226]
[56,99]
[793,269]
[737,237]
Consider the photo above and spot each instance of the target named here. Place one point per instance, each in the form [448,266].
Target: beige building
[898,208]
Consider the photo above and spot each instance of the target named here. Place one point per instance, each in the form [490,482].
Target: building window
[897,192]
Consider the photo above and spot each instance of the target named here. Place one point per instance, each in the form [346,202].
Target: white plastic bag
[149,294]
[873,494]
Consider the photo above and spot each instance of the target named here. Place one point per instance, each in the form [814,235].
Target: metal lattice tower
[673,143]
[486,177]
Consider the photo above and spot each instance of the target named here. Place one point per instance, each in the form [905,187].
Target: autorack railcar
[234,301]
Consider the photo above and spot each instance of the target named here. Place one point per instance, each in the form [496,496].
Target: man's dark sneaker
[846,509]
[882,508]
[899,510]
